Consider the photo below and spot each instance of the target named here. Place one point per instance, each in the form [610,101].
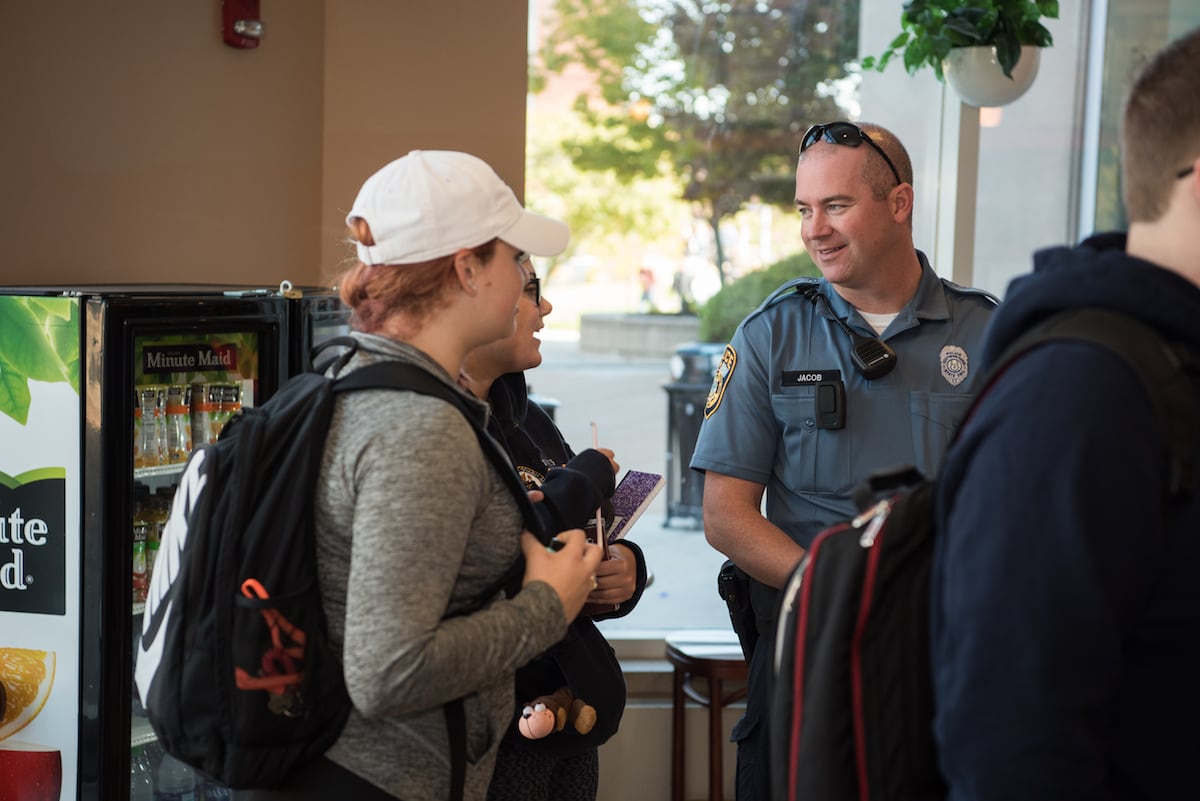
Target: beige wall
[431,74]
[138,147]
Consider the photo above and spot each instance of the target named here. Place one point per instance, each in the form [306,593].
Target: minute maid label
[33,542]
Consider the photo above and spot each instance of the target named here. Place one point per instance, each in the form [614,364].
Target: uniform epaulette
[787,290]
[970,290]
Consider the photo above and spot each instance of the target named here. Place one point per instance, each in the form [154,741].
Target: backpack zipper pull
[875,515]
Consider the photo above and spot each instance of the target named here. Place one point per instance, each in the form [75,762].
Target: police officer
[870,366]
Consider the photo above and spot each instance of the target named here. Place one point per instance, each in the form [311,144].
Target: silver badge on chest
[954,364]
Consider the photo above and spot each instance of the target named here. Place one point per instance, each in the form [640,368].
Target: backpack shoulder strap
[1162,368]
[320,365]
[401,375]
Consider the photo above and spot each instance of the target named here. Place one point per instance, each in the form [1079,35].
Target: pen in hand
[601,539]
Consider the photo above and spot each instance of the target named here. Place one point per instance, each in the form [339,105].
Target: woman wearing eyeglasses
[563,766]
[413,520]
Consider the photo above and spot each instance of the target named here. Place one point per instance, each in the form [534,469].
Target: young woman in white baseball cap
[413,520]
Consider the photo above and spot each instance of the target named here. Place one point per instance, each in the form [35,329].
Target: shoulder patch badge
[954,364]
[720,381]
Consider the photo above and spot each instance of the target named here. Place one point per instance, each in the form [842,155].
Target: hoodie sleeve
[575,490]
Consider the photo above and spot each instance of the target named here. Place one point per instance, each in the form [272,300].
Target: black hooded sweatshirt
[575,485]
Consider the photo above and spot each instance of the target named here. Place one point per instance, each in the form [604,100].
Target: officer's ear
[900,202]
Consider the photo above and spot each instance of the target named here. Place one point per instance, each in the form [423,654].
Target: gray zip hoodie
[413,522]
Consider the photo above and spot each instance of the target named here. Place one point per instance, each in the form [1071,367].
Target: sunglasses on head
[844,133]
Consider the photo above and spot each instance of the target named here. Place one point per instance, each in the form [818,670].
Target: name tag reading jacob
[830,395]
[793,378]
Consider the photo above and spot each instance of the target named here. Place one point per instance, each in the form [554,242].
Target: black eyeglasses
[533,287]
[844,133]
[534,290]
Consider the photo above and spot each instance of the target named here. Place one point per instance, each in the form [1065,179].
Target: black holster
[733,585]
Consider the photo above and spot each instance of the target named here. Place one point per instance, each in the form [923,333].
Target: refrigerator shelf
[141,733]
[157,471]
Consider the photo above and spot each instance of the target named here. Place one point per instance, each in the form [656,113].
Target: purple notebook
[630,499]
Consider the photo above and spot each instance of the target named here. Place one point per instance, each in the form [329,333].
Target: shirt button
[809,422]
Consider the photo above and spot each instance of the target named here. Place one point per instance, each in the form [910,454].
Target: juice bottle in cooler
[141,536]
[159,507]
[216,414]
[178,425]
[160,423]
[141,578]
[147,453]
[231,401]
[201,415]
[138,461]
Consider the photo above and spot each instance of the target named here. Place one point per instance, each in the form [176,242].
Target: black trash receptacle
[692,369]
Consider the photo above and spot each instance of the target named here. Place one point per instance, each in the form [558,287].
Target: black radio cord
[872,357]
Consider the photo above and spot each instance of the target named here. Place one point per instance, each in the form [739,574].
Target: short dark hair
[1160,127]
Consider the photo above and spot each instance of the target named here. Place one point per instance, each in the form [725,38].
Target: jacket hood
[509,398]
[1097,273]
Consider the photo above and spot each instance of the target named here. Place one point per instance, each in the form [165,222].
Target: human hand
[570,571]
[616,577]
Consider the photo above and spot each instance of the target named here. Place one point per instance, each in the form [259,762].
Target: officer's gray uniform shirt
[761,417]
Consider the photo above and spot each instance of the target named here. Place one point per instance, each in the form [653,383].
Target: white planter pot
[975,74]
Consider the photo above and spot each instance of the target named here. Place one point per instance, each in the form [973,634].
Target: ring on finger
[595,584]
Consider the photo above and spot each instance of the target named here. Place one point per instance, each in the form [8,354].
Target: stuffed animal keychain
[547,714]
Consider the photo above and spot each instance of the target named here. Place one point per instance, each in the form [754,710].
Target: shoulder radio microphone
[872,357]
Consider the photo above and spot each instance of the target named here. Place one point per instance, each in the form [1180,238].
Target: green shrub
[720,316]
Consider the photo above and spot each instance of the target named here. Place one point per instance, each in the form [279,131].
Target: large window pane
[709,109]
[1134,30]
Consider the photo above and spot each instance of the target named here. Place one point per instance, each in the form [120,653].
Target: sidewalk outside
[626,400]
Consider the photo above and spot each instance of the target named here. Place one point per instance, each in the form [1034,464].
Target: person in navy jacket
[1066,592]
[565,765]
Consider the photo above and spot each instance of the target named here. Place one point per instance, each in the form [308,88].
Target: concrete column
[958,184]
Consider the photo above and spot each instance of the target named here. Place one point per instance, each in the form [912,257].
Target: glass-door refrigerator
[104,391]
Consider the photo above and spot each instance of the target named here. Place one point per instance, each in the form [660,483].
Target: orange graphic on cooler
[28,772]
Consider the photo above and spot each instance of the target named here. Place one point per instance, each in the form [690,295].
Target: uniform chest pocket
[935,416]
[810,459]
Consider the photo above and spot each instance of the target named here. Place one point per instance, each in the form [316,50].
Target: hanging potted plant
[987,50]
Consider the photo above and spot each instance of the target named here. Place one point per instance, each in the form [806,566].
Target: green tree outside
[712,95]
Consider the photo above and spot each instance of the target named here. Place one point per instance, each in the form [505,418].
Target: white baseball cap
[431,203]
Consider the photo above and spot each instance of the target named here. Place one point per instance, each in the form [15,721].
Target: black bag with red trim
[234,668]
[852,656]
[851,689]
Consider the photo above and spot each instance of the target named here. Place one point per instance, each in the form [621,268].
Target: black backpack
[234,667]
[851,690]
